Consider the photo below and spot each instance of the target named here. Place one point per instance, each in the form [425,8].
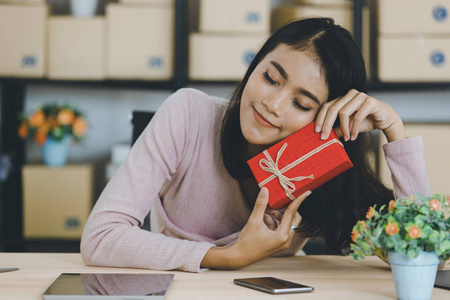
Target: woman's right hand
[256,240]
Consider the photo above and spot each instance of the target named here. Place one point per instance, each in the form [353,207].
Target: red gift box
[300,162]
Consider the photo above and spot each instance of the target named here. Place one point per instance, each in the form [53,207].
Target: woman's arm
[112,236]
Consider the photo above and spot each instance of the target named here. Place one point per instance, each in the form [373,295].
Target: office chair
[140,120]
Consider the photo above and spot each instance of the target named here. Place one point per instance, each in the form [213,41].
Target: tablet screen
[79,286]
[443,279]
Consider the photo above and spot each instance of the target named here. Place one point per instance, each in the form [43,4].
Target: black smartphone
[273,285]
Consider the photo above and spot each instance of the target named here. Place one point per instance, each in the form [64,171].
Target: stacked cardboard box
[56,201]
[76,48]
[414,40]
[22,38]
[139,40]
[230,33]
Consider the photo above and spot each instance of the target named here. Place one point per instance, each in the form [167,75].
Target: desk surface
[332,277]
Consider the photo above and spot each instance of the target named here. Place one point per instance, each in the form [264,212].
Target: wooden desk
[332,277]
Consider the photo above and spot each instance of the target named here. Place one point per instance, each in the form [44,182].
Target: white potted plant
[413,233]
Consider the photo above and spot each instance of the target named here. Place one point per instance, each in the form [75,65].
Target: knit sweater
[175,169]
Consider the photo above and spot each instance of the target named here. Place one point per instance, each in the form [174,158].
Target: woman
[189,165]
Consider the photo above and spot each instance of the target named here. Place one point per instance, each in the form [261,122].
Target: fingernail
[264,192]
[323,136]
[354,137]
[308,193]
[318,128]
[346,138]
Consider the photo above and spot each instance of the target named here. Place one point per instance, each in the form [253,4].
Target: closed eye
[296,103]
[269,79]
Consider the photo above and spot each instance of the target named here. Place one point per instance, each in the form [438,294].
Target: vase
[414,277]
[54,153]
[83,8]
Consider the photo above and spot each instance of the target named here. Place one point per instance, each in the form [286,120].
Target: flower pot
[414,277]
[83,8]
[54,153]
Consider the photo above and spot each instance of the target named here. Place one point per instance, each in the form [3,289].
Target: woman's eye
[269,79]
[296,103]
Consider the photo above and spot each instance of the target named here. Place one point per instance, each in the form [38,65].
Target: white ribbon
[286,183]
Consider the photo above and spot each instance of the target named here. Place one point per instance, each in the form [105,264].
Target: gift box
[300,162]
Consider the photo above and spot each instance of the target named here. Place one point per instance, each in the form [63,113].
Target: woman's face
[282,95]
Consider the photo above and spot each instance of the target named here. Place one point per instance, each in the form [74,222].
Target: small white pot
[83,8]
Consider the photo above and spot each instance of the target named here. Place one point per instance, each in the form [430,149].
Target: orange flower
[363,225]
[23,130]
[65,117]
[79,127]
[40,138]
[435,204]
[391,205]
[392,228]
[37,118]
[355,234]
[369,213]
[448,200]
[414,232]
[44,128]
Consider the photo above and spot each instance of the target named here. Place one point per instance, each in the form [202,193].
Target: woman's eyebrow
[280,69]
[310,95]
[286,76]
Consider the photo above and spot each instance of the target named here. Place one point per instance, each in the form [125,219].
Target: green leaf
[444,246]
[434,237]
[413,252]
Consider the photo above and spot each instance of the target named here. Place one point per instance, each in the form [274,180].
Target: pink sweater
[175,169]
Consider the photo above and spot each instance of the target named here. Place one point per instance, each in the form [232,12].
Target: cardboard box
[298,163]
[413,17]
[234,16]
[76,48]
[22,40]
[23,1]
[147,1]
[417,59]
[139,43]
[221,57]
[56,201]
[286,13]
[436,138]
[327,2]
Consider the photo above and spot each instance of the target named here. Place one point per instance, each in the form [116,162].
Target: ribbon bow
[270,166]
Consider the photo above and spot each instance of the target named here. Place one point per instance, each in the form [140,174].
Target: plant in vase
[52,126]
[411,231]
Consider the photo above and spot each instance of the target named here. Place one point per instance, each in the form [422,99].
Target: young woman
[189,165]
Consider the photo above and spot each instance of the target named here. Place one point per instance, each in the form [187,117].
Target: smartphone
[273,285]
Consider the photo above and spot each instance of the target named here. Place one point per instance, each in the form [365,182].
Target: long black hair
[333,208]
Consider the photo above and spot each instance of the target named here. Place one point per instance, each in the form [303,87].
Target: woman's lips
[261,120]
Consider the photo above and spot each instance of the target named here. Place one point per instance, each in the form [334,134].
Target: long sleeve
[407,165]
[112,236]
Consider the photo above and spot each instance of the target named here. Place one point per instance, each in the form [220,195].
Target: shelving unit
[12,96]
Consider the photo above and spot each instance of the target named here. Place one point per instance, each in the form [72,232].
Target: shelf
[403,86]
[109,83]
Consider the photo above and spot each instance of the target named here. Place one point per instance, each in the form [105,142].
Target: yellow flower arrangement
[408,226]
[55,121]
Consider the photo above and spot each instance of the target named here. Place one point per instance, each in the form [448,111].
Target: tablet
[443,279]
[96,286]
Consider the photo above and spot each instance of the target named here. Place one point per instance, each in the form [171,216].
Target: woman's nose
[276,104]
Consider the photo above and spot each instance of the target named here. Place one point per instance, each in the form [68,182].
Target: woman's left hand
[357,113]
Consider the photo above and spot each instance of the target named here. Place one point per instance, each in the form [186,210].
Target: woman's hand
[272,217]
[357,113]
[256,239]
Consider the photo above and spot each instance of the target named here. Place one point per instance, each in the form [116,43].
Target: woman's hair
[332,209]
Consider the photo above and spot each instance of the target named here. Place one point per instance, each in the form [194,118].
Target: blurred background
[109,59]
